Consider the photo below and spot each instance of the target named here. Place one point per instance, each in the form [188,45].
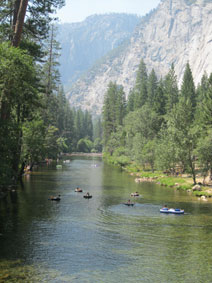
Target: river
[100,239]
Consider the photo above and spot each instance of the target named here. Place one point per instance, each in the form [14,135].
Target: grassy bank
[183,182]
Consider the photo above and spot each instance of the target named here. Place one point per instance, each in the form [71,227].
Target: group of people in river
[79,190]
[129,202]
[88,195]
[57,198]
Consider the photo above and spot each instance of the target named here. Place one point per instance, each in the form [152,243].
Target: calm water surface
[102,240]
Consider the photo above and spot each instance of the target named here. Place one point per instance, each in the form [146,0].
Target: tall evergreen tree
[152,85]
[140,89]
[130,101]
[160,99]
[188,88]
[114,109]
[97,130]
[171,91]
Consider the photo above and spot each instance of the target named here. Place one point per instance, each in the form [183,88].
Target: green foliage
[179,183]
[140,89]
[19,98]
[171,92]
[202,193]
[84,145]
[50,143]
[152,85]
[97,129]
[117,160]
[204,153]
[114,110]
[36,24]
[33,141]
[188,91]
[36,121]
[165,128]
[97,145]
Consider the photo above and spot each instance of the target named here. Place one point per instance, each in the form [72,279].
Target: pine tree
[114,109]
[140,89]
[171,91]
[152,85]
[130,101]
[206,105]
[160,100]
[188,88]
[15,26]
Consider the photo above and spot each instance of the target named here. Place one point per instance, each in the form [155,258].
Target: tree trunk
[15,12]
[19,23]
[48,87]
[22,170]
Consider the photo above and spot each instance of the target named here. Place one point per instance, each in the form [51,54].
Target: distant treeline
[160,126]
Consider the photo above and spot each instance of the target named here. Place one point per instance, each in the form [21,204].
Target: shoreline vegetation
[162,132]
[184,182]
[4,190]
[94,154]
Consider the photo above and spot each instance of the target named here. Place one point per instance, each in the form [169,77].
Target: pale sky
[78,10]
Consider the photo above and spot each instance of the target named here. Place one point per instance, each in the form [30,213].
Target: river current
[100,239]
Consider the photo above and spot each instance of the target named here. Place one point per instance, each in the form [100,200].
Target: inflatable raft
[172,210]
[87,196]
[129,203]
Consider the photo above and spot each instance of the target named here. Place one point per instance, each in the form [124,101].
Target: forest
[160,126]
[36,120]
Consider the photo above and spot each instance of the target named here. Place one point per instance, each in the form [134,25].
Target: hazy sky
[78,10]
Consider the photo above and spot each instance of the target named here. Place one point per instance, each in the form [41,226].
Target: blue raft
[172,210]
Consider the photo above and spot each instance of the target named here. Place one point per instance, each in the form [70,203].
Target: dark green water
[102,240]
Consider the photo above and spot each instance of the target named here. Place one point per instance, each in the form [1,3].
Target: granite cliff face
[85,42]
[176,32]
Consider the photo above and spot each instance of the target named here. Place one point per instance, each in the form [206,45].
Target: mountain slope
[176,32]
[85,42]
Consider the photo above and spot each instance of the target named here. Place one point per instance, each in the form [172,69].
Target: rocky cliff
[176,32]
[85,42]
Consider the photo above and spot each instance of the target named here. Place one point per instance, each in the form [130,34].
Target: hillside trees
[171,91]
[141,127]
[170,129]
[114,111]
[97,134]
[204,124]
[140,89]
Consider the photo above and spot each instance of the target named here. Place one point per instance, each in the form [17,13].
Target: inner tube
[78,190]
[128,204]
[55,198]
[87,196]
[134,195]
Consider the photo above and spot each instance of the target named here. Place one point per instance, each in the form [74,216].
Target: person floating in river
[165,207]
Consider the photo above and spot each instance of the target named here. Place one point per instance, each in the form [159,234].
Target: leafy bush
[84,145]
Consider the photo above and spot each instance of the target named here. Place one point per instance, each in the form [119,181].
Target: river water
[101,240]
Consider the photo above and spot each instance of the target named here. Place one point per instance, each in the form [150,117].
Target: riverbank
[83,154]
[179,182]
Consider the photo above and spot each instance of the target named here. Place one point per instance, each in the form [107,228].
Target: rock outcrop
[176,32]
[86,42]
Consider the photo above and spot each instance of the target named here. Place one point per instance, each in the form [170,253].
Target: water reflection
[102,240]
